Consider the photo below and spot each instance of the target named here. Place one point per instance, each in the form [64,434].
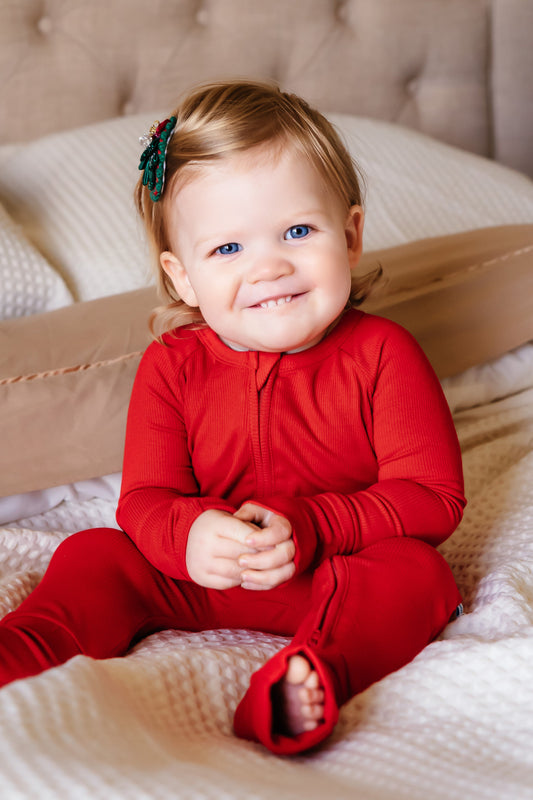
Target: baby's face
[263,249]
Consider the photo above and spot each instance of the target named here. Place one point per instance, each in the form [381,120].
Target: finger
[250,512]
[229,548]
[235,529]
[219,583]
[260,580]
[220,574]
[269,559]
[279,530]
[226,569]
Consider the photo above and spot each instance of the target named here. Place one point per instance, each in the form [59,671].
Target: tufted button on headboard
[459,70]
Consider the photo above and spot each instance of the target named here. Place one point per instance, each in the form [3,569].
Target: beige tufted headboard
[459,70]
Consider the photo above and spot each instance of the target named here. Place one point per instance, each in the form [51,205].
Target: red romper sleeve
[159,497]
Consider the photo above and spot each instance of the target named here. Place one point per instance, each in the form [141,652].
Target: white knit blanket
[455,724]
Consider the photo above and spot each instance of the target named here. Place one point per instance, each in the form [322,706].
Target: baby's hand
[272,561]
[216,540]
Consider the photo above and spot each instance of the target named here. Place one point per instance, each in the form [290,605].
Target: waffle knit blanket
[454,724]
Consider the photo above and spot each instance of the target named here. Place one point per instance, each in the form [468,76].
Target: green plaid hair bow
[153,159]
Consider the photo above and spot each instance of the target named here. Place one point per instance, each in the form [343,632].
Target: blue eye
[298,232]
[228,249]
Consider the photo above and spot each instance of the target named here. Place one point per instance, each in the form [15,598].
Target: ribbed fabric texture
[351,440]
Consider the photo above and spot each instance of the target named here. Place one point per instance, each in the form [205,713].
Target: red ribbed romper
[351,440]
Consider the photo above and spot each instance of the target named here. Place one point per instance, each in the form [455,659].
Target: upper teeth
[278,302]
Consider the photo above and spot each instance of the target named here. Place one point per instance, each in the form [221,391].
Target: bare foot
[298,699]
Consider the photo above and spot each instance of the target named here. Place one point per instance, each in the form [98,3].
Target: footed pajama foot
[290,706]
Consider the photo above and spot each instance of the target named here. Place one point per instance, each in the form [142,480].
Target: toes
[298,670]
[312,681]
[312,712]
[311,696]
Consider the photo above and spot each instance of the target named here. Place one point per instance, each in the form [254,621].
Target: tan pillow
[65,382]
[66,376]
[466,298]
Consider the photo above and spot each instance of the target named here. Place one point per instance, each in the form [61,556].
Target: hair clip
[153,159]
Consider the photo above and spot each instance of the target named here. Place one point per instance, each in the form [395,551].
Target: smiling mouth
[276,301]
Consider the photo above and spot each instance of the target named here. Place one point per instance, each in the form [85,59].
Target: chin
[288,345]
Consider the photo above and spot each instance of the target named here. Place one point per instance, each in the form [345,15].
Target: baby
[290,462]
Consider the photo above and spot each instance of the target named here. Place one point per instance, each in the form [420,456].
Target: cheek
[212,300]
[340,283]
[345,289]
[340,272]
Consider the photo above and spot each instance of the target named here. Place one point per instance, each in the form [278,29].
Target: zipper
[262,381]
[318,631]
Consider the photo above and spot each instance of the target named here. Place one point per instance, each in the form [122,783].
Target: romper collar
[263,361]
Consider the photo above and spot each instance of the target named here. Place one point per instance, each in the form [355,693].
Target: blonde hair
[217,120]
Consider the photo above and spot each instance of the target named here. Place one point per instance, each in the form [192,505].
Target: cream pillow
[28,284]
[509,374]
[418,187]
[72,192]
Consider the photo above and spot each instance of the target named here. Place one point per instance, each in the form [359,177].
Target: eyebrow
[211,241]
[301,216]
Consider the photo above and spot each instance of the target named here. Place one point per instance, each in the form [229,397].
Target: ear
[354,234]
[178,275]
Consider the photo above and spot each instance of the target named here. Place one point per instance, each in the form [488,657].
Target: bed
[434,101]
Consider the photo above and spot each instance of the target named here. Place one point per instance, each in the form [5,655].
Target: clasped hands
[252,548]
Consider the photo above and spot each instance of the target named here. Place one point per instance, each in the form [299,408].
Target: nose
[269,268]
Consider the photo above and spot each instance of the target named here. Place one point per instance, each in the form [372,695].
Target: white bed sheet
[456,723]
